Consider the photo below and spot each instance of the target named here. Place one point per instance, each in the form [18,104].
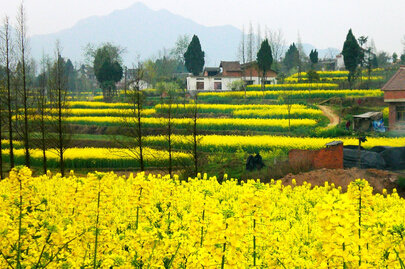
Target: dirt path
[334,119]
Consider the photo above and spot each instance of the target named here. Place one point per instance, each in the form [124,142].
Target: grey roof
[334,143]
[396,82]
[369,115]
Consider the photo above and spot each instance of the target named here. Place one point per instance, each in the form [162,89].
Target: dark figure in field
[259,161]
[255,162]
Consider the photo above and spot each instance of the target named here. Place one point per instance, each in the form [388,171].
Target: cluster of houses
[221,78]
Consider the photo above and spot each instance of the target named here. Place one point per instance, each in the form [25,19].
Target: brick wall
[330,157]
[255,73]
[394,95]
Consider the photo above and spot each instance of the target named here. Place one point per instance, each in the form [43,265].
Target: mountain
[143,32]
[322,53]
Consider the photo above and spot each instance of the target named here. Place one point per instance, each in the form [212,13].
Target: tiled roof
[230,66]
[397,82]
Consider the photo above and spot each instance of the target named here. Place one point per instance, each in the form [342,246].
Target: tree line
[34,100]
[290,59]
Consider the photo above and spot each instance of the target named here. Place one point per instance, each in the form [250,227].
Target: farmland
[218,217]
[160,222]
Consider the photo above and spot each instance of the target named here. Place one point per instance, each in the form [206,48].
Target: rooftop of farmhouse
[397,82]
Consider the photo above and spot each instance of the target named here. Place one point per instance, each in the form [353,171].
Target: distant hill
[143,32]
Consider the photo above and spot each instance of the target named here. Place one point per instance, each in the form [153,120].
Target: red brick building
[394,95]
[330,157]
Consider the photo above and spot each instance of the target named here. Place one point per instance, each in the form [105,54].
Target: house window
[218,85]
[268,82]
[200,85]
[400,113]
[249,82]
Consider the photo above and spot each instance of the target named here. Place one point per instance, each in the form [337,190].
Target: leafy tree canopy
[313,76]
[194,57]
[402,58]
[106,66]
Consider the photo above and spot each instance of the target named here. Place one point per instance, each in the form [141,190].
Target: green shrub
[401,183]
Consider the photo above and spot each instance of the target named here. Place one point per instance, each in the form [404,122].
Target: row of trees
[357,55]
[292,58]
[34,108]
[32,114]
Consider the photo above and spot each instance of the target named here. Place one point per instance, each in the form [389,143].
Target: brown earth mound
[378,179]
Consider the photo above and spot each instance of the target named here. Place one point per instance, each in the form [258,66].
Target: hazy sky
[322,23]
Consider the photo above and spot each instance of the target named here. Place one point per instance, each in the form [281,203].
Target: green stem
[60,249]
[282,264]
[96,241]
[254,243]
[19,228]
[150,257]
[224,248]
[137,210]
[360,225]
[9,264]
[43,249]
[344,263]
[174,255]
[202,228]
[401,262]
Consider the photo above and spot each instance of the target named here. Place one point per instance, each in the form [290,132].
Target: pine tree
[351,55]
[291,57]
[264,59]
[194,57]
[313,56]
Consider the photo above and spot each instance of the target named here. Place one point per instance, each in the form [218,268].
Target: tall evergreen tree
[194,56]
[313,56]
[291,58]
[264,59]
[352,55]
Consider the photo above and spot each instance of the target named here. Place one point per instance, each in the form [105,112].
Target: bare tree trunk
[40,135]
[168,122]
[196,140]
[132,125]
[23,53]
[7,52]
[60,135]
[1,133]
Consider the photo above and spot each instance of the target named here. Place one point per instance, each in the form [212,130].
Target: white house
[340,64]
[220,78]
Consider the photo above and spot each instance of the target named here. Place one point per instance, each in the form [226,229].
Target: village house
[129,79]
[221,78]
[394,95]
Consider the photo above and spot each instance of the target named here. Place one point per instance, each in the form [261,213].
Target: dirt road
[334,119]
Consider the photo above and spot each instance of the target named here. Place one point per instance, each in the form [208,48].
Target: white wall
[209,82]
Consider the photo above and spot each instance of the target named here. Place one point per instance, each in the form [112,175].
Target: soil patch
[378,179]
